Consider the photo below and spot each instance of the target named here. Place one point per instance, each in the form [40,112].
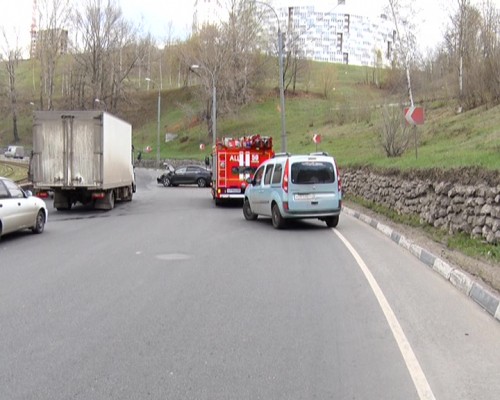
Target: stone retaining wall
[447,204]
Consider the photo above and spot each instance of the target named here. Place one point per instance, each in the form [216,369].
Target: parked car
[14,152]
[186,175]
[19,209]
[295,186]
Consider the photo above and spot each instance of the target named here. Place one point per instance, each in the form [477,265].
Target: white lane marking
[417,375]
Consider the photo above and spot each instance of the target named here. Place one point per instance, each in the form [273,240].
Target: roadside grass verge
[461,242]
[16,173]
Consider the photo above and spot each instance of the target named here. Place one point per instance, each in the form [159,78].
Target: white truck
[82,156]
[14,152]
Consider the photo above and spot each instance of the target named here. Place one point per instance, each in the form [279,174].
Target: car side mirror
[250,181]
[28,193]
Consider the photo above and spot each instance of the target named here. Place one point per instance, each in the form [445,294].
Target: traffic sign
[414,115]
[316,138]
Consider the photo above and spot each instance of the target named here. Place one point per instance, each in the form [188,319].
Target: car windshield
[311,172]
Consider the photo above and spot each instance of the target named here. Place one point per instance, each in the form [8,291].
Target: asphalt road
[170,297]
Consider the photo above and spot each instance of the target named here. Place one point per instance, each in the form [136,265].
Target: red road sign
[414,115]
[316,138]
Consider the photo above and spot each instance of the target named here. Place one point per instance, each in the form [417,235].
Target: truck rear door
[67,150]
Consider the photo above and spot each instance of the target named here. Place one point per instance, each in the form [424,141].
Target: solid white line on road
[419,380]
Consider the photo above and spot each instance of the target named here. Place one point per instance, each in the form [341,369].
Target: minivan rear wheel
[332,222]
[278,220]
[247,211]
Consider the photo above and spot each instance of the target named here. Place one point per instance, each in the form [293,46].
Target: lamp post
[96,100]
[214,101]
[158,125]
[281,78]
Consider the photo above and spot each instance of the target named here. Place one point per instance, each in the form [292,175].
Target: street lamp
[96,100]
[158,125]
[214,101]
[281,80]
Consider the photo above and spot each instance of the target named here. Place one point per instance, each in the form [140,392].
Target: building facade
[337,31]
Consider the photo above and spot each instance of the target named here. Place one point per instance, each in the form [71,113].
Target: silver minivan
[295,186]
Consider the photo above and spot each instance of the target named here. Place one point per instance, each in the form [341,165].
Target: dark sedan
[186,175]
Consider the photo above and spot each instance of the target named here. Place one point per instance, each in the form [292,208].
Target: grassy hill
[336,101]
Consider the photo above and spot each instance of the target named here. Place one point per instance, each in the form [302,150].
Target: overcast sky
[156,15]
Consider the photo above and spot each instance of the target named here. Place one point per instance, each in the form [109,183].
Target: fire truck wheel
[278,220]
[201,182]
[247,211]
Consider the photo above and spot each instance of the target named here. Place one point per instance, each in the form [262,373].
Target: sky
[156,16]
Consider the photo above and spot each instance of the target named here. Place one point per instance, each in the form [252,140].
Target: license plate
[304,197]
[233,190]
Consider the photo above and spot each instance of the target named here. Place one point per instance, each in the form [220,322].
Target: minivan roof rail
[319,153]
[281,155]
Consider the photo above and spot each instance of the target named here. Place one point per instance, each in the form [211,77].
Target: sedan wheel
[247,211]
[39,223]
[278,221]
[201,182]
[166,182]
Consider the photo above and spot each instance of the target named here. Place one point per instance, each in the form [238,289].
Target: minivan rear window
[311,172]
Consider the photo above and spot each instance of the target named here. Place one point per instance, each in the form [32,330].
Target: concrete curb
[482,295]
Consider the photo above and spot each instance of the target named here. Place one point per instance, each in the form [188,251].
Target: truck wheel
[39,222]
[111,199]
[65,207]
[247,211]
[129,192]
[278,220]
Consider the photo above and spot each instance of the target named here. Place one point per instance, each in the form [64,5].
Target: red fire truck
[235,160]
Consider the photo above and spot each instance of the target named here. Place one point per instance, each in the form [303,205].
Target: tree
[12,56]
[406,42]
[472,44]
[52,42]
[394,136]
[228,57]
[106,53]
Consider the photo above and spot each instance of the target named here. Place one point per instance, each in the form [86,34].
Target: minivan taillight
[339,181]
[284,184]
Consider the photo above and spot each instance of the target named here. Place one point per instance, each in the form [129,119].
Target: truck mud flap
[107,203]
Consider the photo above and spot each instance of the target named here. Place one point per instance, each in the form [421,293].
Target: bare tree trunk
[12,56]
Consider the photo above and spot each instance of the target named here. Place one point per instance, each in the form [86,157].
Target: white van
[15,152]
[295,186]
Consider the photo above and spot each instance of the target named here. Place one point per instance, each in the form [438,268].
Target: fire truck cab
[235,160]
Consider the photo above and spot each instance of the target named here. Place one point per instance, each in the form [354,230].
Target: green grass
[462,242]
[347,120]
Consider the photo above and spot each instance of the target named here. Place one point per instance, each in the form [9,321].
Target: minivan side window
[277,174]
[258,176]
[268,174]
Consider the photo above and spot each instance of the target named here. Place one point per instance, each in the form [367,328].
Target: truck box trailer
[82,156]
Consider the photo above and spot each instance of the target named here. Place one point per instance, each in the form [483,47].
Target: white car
[19,209]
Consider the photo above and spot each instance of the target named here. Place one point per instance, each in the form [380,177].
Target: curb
[482,295]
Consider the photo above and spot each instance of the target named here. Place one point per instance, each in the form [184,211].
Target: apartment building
[337,31]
